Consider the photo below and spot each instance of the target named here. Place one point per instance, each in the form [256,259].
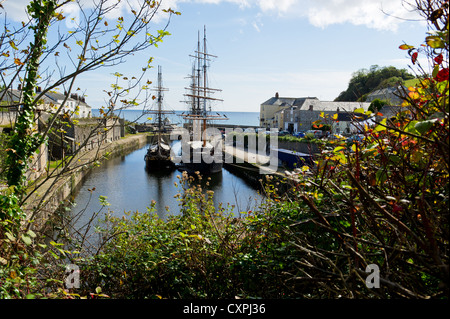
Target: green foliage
[365,81]
[25,139]
[187,256]
[383,200]
[376,105]
[28,267]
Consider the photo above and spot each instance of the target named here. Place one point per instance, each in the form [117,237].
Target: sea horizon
[234,117]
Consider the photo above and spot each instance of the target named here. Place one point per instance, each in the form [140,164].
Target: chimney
[277,95]
[38,89]
[19,87]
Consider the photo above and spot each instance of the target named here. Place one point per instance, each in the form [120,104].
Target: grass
[411,82]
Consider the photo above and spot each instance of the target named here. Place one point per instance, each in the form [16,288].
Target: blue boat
[293,159]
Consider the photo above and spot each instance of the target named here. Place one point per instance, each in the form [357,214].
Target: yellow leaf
[406,47]
[18,62]
[13,45]
[380,127]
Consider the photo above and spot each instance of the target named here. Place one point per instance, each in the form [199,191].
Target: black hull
[157,164]
[158,157]
[203,168]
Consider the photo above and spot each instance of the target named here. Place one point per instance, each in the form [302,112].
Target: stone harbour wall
[54,193]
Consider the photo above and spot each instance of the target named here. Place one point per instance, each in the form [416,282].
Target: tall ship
[203,149]
[158,154]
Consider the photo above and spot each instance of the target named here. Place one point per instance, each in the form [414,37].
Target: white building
[74,105]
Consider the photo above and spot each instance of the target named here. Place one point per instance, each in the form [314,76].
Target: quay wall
[52,194]
[307,148]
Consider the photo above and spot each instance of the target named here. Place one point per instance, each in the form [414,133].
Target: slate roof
[11,95]
[287,101]
[343,106]
[350,117]
[388,93]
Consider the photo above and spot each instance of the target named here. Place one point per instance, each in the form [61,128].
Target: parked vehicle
[336,137]
[317,133]
[299,134]
[282,133]
[355,138]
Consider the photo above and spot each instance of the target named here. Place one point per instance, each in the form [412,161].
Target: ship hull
[158,157]
[202,168]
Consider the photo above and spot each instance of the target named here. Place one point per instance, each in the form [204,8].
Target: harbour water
[128,186]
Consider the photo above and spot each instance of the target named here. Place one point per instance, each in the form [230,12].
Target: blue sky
[295,47]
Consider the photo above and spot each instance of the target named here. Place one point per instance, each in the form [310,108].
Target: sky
[297,48]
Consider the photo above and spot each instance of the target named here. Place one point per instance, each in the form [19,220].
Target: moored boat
[159,153]
[202,148]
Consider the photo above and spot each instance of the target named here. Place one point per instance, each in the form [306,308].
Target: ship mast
[200,92]
[159,102]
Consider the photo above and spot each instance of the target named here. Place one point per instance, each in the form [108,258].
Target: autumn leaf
[442,75]
[439,59]
[406,47]
[414,95]
[13,45]
[414,58]
[18,62]
[435,42]
[59,16]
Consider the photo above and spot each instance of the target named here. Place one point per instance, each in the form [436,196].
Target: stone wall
[307,148]
[53,196]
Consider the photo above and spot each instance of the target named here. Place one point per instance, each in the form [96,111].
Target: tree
[45,52]
[365,81]
[384,201]
[376,105]
[60,41]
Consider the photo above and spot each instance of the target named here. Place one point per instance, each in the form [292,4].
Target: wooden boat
[199,115]
[158,154]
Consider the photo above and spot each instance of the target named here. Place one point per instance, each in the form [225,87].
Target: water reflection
[128,186]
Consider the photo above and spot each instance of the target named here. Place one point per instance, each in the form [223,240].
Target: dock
[253,166]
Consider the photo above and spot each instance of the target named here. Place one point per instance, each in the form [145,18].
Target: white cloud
[320,13]
[380,15]
[16,9]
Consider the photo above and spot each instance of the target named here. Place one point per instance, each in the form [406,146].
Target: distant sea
[234,118]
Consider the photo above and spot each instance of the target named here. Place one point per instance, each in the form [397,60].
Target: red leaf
[414,57]
[442,75]
[439,59]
